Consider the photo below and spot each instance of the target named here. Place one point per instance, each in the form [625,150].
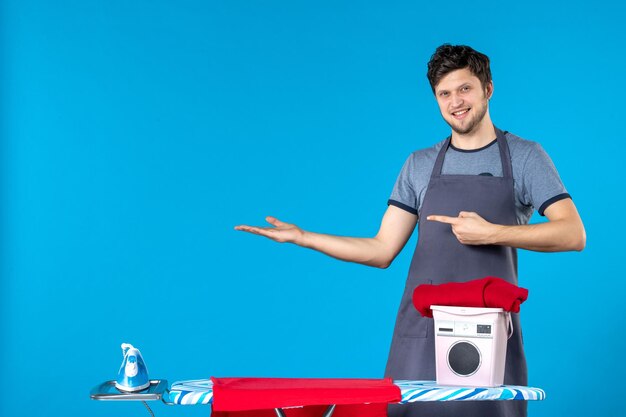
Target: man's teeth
[458,113]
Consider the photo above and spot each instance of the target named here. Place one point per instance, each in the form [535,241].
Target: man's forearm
[366,251]
[553,236]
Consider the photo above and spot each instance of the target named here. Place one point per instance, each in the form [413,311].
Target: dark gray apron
[440,258]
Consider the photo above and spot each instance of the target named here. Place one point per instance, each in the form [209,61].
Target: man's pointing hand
[469,228]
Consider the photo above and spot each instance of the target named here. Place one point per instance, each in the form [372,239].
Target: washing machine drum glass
[464,358]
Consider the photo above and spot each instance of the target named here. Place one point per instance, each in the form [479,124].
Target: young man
[473,195]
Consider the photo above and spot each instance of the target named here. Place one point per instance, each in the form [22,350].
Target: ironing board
[200,391]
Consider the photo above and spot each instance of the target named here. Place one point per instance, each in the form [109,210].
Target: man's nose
[456,100]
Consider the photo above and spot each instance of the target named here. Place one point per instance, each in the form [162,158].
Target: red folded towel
[342,410]
[242,395]
[486,292]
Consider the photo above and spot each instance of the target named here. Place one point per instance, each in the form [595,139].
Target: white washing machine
[470,345]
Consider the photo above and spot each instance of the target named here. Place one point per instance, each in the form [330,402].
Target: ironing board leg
[327,413]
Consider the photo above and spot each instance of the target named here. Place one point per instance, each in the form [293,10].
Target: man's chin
[461,129]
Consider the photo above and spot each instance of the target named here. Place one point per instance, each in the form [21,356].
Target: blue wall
[135,135]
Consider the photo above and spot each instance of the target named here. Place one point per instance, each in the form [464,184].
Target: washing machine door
[464,358]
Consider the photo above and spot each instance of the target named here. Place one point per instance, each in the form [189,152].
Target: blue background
[135,135]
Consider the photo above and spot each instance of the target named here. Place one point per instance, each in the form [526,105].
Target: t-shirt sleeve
[541,184]
[403,194]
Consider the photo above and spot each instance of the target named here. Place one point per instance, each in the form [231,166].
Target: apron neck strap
[505,156]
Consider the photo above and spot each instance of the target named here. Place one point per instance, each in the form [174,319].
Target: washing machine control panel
[464,328]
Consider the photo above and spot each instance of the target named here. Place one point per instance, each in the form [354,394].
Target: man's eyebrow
[463,84]
[445,90]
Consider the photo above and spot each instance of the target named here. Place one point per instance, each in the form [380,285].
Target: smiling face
[463,101]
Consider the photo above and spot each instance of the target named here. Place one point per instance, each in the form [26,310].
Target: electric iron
[133,374]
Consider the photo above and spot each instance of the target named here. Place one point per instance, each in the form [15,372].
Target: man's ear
[489,90]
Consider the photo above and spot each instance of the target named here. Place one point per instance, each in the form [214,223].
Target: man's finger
[274,221]
[443,219]
[263,231]
[243,227]
[467,214]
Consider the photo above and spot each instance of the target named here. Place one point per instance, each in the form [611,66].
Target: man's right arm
[379,251]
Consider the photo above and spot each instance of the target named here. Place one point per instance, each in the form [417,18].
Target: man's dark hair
[448,58]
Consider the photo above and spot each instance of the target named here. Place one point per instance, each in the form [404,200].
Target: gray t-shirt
[536,180]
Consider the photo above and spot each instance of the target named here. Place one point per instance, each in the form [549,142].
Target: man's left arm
[564,230]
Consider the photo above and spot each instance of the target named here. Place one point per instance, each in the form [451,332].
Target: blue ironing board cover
[200,391]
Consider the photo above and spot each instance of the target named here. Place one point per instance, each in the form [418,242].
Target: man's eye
[443,94]
[465,88]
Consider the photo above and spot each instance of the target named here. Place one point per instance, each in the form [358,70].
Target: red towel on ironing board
[257,397]
[486,292]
